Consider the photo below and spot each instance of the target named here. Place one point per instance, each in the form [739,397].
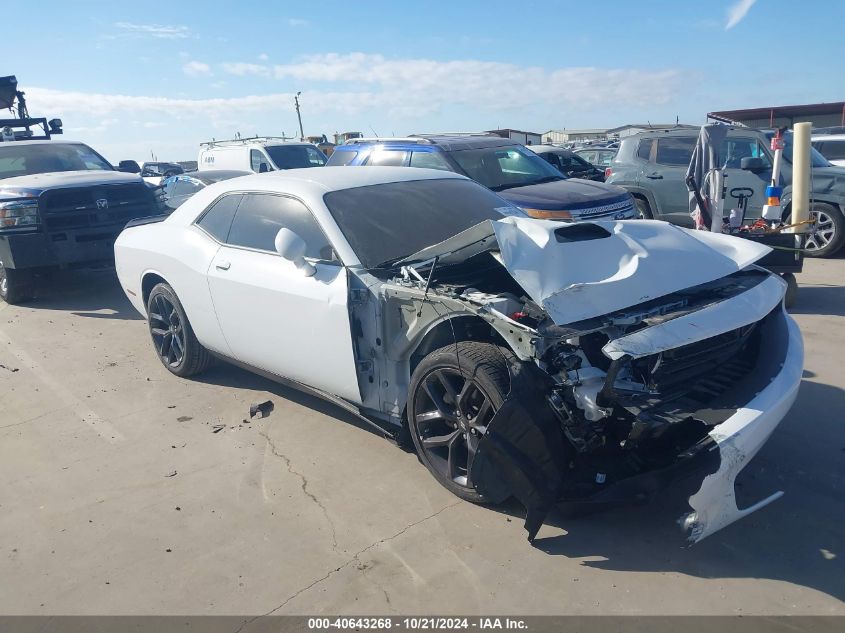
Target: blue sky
[133,79]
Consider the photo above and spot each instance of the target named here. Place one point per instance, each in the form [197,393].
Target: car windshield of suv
[501,168]
[295,156]
[816,159]
[17,159]
[385,223]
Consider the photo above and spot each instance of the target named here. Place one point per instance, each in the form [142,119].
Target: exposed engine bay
[607,408]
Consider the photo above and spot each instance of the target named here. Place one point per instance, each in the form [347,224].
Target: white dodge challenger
[587,363]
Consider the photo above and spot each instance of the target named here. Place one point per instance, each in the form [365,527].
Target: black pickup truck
[61,205]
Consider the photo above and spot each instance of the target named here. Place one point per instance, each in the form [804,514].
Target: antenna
[374,132]
[298,116]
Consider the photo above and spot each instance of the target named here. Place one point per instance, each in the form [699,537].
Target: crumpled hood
[581,271]
[569,194]
[35,184]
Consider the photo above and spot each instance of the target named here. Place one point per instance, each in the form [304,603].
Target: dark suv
[512,170]
[653,165]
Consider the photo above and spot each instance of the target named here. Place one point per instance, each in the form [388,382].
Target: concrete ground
[118,497]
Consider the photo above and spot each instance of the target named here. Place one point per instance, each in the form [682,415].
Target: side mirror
[263,168]
[752,163]
[292,248]
[129,166]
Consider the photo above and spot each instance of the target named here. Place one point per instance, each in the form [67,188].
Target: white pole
[800,175]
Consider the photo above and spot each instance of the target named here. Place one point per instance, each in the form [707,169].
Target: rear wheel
[173,337]
[15,285]
[454,393]
[827,234]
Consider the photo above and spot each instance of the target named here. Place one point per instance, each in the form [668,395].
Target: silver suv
[652,167]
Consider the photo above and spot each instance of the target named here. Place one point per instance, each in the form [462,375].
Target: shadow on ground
[824,300]
[799,539]
[227,375]
[93,293]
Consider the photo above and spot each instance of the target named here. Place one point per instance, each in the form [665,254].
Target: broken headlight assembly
[18,214]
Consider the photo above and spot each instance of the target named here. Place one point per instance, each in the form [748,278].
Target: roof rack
[247,139]
[394,139]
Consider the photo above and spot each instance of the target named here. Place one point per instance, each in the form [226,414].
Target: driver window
[260,216]
[733,150]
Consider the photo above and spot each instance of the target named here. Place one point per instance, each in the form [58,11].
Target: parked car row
[516,172]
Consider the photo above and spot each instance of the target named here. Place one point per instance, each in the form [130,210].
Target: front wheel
[15,285]
[643,209]
[455,391]
[173,337]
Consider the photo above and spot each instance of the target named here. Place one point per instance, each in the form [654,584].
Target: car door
[272,316]
[741,184]
[664,177]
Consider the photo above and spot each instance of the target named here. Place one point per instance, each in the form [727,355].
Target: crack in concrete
[303,486]
[354,558]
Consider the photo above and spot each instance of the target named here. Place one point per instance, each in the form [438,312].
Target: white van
[258,154]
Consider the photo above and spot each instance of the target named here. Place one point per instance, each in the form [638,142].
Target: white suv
[831,146]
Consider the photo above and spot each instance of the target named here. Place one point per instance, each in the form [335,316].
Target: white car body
[831,146]
[264,311]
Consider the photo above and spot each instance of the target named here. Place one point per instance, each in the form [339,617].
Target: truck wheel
[827,235]
[173,337]
[791,289]
[15,285]
[454,393]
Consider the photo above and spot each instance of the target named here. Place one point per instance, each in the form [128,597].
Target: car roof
[446,142]
[215,175]
[42,142]
[337,178]
[828,137]
[548,149]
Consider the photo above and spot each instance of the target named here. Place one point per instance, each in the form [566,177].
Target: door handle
[223,265]
[655,176]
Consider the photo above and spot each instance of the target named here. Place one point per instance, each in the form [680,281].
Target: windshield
[501,168]
[17,159]
[816,159]
[295,156]
[385,223]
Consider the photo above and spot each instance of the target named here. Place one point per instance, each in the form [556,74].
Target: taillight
[607,172]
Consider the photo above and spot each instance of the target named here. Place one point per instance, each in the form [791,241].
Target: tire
[644,209]
[791,290]
[476,373]
[828,235]
[15,285]
[171,330]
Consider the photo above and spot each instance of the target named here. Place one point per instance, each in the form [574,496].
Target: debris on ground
[12,369]
[171,474]
[217,428]
[184,418]
[260,409]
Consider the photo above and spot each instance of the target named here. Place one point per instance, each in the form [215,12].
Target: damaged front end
[629,377]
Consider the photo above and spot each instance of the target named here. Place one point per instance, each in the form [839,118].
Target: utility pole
[299,116]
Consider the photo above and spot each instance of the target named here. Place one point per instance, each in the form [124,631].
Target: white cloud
[263,57]
[297,22]
[196,69]
[737,12]
[241,69]
[159,31]
[494,85]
